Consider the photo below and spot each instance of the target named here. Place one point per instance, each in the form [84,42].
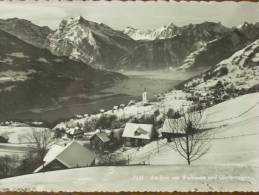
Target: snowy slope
[240,71]
[138,178]
[230,165]
[234,137]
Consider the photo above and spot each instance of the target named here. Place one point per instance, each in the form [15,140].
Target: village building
[100,141]
[168,131]
[75,132]
[73,155]
[137,134]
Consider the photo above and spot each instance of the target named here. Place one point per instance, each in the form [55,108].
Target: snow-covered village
[87,107]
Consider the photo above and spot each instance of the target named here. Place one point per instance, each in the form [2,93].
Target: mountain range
[186,47]
[38,64]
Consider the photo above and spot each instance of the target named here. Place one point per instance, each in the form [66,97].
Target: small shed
[100,141]
[73,155]
[137,134]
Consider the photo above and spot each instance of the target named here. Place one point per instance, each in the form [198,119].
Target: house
[75,132]
[168,130]
[100,141]
[137,134]
[73,155]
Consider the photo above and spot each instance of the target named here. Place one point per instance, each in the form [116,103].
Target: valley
[121,92]
[137,105]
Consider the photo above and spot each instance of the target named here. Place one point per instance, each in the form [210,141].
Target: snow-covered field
[16,134]
[139,178]
[230,165]
[17,138]
[233,139]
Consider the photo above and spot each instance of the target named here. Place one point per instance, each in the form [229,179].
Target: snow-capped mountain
[91,42]
[137,34]
[171,30]
[186,47]
[31,77]
[214,51]
[174,46]
[238,72]
[26,31]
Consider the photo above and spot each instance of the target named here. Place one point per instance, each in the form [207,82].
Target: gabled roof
[71,156]
[141,131]
[103,137]
[170,126]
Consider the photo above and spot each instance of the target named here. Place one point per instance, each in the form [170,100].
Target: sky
[142,15]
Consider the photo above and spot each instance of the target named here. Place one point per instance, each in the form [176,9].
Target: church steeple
[144,97]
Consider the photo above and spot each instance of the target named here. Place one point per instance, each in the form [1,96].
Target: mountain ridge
[33,77]
[182,48]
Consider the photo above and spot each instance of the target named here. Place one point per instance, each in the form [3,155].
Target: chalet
[137,134]
[73,155]
[100,141]
[168,130]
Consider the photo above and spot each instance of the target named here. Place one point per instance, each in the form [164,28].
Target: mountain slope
[31,77]
[237,73]
[90,42]
[215,51]
[171,50]
[233,157]
[26,31]
[196,46]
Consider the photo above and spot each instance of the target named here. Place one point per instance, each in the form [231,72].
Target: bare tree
[190,139]
[43,139]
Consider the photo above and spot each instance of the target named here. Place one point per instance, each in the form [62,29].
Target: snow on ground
[16,134]
[17,141]
[230,165]
[175,99]
[242,71]
[139,178]
[234,139]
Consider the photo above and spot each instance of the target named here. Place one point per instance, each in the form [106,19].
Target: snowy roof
[141,131]
[53,152]
[103,136]
[73,155]
[170,126]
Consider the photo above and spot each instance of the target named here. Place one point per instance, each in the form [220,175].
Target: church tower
[144,97]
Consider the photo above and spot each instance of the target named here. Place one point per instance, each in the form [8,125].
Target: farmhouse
[73,155]
[100,141]
[168,129]
[137,134]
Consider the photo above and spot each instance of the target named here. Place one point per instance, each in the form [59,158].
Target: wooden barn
[137,134]
[100,141]
[73,155]
[168,131]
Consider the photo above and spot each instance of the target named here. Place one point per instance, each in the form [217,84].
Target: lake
[121,92]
